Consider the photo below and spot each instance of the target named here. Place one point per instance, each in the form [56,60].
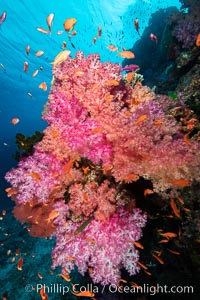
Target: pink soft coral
[104,248]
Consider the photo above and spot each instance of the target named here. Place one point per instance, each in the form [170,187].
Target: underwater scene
[99,149]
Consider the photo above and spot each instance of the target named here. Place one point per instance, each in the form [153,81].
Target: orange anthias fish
[140,119]
[65,277]
[180,182]
[112,82]
[43,86]
[49,21]
[69,24]
[61,57]
[35,176]
[84,294]
[131,177]
[158,259]
[168,234]
[20,264]
[39,53]
[112,48]
[40,29]
[148,192]
[174,208]
[142,265]
[138,245]
[136,23]
[126,54]
[25,66]
[40,275]
[43,294]
[198,40]
[53,214]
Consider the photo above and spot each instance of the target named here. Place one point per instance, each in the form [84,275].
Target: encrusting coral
[103,134]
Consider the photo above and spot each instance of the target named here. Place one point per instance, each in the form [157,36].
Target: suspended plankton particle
[69,24]
[39,53]
[62,56]
[49,21]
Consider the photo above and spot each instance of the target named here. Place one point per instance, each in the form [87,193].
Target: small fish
[28,48]
[174,252]
[65,277]
[198,40]
[43,294]
[74,33]
[158,122]
[148,273]
[15,121]
[35,176]
[112,82]
[43,86]
[59,32]
[131,177]
[53,214]
[185,138]
[3,212]
[126,54]
[158,259]
[112,48]
[40,29]
[164,241]
[136,23]
[181,201]
[20,264]
[148,192]
[39,53]
[142,265]
[94,40]
[35,73]
[174,208]
[180,182]
[25,66]
[69,24]
[64,44]
[8,252]
[61,57]
[140,119]
[138,245]
[3,17]
[130,68]
[30,95]
[17,251]
[3,68]
[40,275]
[169,234]
[84,294]
[153,37]
[49,21]
[99,32]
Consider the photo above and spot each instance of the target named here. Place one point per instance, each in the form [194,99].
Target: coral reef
[104,134]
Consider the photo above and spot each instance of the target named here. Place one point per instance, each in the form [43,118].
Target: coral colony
[103,135]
